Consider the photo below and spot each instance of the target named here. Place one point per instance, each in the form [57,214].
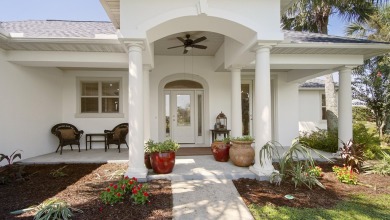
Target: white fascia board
[312,88]
[335,45]
[316,59]
[68,59]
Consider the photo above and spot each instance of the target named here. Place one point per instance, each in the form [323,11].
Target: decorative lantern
[221,122]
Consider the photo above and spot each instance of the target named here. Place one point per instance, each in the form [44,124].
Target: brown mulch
[81,188]
[263,192]
[84,182]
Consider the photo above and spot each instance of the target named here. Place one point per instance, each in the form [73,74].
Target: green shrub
[54,209]
[360,113]
[371,142]
[320,140]
[328,141]
[345,175]
[295,163]
[380,167]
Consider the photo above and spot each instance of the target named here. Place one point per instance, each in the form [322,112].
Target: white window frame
[322,106]
[99,114]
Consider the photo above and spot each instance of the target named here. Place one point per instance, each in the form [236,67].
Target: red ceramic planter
[162,163]
[220,151]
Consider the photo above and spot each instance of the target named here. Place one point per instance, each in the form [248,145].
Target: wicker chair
[67,134]
[117,136]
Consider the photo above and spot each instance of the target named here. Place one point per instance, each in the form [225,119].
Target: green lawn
[356,208]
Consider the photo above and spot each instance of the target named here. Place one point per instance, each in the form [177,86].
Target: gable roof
[58,28]
[307,37]
[89,29]
[315,84]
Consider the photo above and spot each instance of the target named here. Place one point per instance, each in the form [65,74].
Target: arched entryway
[183,109]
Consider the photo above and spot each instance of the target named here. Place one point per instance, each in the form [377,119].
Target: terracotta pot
[220,151]
[162,163]
[147,161]
[241,153]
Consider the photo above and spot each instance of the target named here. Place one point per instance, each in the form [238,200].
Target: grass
[356,208]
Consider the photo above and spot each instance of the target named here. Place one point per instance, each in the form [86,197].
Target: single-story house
[170,63]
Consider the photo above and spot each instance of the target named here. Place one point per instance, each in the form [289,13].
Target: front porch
[194,167]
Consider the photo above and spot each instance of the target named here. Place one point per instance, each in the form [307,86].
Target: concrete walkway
[202,187]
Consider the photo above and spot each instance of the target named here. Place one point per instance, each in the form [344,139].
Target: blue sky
[80,10]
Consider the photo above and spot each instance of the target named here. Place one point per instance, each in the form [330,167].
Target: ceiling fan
[188,43]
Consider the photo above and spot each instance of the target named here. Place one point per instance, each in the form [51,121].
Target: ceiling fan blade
[181,39]
[175,47]
[185,51]
[199,46]
[199,40]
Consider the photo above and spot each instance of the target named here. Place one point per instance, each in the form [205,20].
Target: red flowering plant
[115,192]
[140,194]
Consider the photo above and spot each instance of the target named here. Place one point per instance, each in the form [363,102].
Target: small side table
[91,140]
[215,133]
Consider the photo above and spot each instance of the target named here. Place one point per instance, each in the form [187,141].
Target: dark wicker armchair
[117,136]
[67,134]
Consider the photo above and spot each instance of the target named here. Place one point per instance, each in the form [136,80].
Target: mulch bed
[263,192]
[84,182]
[81,189]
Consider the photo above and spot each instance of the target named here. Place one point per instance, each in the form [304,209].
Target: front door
[183,117]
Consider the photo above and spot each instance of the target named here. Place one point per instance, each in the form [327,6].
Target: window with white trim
[323,107]
[99,97]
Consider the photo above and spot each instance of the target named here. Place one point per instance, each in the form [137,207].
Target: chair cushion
[67,134]
[117,133]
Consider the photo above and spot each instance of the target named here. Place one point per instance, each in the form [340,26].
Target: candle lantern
[221,122]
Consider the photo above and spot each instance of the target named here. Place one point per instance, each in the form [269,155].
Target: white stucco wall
[261,16]
[286,110]
[310,110]
[69,102]
[218,85]
[30,105]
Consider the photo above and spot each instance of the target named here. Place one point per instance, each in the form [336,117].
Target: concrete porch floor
[186,167]
[200,167]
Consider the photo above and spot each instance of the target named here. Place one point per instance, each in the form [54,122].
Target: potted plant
[220,149]
[147,154]
[162,156]
[241,152]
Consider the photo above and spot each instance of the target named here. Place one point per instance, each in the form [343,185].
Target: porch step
[203,168]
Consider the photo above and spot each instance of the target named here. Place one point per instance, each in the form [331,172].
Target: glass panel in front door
[183,118]
[245,105]
[183,110]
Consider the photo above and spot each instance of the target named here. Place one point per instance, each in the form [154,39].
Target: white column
[262,113]
[146,103]
[345,106]
[236,103]
[136,112]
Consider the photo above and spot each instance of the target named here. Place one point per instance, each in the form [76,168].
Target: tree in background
[313,16]
[371,82]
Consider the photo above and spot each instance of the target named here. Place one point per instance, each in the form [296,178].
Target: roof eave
[110,14]
[335,45]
